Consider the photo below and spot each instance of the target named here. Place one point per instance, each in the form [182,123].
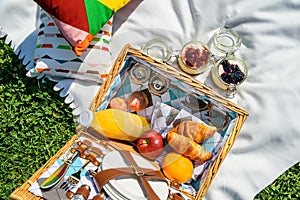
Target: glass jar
[194,57]
[225,42]
[158,49]
[228,73]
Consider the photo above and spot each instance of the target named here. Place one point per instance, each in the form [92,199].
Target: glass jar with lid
[228,73]
[194,57]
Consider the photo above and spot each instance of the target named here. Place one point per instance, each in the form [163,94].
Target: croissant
[187,147]
[196,131]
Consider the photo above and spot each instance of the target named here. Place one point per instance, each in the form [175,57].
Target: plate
[112,193]
[129,188]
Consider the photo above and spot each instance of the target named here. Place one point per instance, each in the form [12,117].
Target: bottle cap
[86,117]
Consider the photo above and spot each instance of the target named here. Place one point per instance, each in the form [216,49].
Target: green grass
[35,123]
[286,187]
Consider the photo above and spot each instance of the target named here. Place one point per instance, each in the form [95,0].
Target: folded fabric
[78,20]
[54,56]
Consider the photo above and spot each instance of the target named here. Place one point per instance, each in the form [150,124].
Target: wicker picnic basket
[128,50]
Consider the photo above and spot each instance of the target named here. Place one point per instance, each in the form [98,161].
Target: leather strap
[141,174]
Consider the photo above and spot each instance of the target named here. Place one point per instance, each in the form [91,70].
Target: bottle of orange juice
[115,124]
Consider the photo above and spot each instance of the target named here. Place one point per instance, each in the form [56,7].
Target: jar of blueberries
[228,73]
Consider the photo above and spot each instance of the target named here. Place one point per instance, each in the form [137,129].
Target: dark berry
[226,66]
[239,76]
[232,73]
[235,68]
[226,78]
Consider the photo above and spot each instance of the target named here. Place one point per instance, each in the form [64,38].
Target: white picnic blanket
[268,142]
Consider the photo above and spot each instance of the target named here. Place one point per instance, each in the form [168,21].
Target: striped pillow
[54,55]
[81,20]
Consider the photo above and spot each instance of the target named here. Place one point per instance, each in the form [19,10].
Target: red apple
[150,144]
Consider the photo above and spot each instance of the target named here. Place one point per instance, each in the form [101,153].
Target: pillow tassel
[81,46]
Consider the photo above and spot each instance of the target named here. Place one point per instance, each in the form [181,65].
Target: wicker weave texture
[23,193]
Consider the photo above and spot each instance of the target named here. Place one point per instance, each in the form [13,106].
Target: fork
[72,181]
[74,178]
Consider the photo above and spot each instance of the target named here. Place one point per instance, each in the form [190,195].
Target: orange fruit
[177,167]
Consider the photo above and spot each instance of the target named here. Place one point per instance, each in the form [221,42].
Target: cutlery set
[80,149]
[62,186]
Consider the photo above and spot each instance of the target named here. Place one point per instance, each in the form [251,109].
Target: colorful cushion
[54,55]
[80,20]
